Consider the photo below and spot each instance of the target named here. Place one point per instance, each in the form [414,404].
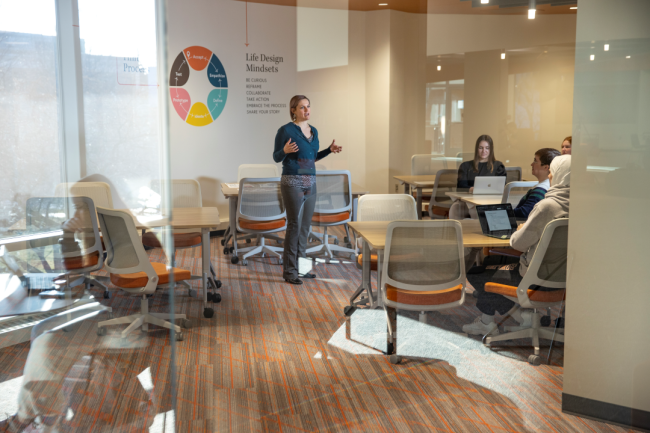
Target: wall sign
[198,59]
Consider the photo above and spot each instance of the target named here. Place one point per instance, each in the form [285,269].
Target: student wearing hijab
[554,205]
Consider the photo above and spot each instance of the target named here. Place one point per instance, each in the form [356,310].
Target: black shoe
[307,276]
[293,280]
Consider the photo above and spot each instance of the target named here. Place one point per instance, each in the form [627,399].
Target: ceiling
[495,7]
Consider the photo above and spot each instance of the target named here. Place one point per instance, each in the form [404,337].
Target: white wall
[607,350]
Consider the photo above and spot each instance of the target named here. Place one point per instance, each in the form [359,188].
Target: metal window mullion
[70,83]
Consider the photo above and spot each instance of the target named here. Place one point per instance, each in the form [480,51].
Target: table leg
[205,263]
[232,215]
[380,261]
[419,201]
[407,188]
[355,202]
[365,279]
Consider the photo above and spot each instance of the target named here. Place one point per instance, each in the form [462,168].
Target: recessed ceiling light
[592,57]
[627,57]
[574,7]
[439,67]
[606,47]
[503,56]
[531,14]
[484,2]
[383,4]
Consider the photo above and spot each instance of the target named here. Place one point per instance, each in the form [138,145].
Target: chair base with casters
[260,230]
[182,241]
[144,317]
[325,249]
[535,331]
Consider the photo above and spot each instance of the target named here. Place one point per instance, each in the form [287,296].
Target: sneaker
[477,327]
[524,318]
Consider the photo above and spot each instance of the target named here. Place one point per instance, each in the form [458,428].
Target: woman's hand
[471,190]
[520,226]
[334,148]
[290,147]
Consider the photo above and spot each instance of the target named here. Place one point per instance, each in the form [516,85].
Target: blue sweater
[301,162]
[528,202]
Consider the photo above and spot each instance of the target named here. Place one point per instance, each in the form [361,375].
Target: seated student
[554,205]
[566,146]
[484,164]
[540,169]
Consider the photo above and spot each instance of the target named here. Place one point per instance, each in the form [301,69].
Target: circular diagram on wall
[198,58]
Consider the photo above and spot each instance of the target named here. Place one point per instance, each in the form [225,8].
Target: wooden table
[479,199]
[232,194]
[418,182]
[204,218]
[373,234]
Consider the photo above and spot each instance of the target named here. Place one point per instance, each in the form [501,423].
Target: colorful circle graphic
[198,58]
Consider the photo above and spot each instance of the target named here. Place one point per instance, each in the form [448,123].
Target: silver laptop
[489,185]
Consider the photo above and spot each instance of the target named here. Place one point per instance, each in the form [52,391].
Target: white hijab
[561,171]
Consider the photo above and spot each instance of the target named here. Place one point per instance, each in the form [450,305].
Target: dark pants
[299,204]
[494,271]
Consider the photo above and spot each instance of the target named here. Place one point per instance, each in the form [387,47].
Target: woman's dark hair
[547,154]
[568,139]
[293,104]
[491,158]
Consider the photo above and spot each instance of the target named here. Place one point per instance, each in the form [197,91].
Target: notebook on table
[497,220]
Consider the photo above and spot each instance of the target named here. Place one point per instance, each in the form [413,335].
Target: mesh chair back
[446,181]
[386,207]
[186,193]
[74,215]
[99,192]
[122,252]
[260,199]
[548,266]
[334,189]
[424,255]
[427,164]
[257,171]
[513,174]
[513,192]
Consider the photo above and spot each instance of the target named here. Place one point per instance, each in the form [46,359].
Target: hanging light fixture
[532,5]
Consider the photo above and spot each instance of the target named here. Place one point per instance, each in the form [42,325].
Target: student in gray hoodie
[554,205]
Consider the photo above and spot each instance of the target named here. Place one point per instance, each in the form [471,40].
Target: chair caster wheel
[244,262]
[226,250]
[336,241]
[191,293]
[149,295]
[349,310]
[107,294]
[248,241]
[216,298]
[394,359]
[353,257]
[348,245]
[101,331]
[279,242]
[234,260]
[180,336]
[545,320]
[346,240]
[186,323]
[218,283]
[280,262]
[208,313]
[223,242]
[534,360]
[232,250]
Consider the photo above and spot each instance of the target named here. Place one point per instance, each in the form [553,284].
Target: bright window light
[531,14]
[592,57]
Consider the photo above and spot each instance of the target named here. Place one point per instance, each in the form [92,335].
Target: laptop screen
[496,218]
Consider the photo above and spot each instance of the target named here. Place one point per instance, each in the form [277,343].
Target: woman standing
[484,164]
[296,145]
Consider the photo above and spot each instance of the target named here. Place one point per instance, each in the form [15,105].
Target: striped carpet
[278,357]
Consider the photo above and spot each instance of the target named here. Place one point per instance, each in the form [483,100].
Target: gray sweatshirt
[554,205]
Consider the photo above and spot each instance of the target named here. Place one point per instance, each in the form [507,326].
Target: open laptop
[497,220]
[489,185]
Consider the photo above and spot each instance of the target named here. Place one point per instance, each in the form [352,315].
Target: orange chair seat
[328,218]
[434,297]
[79,262]
[140,279]
[262,225]
[181,240]
[440,211]
[533,295]
[373,261]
